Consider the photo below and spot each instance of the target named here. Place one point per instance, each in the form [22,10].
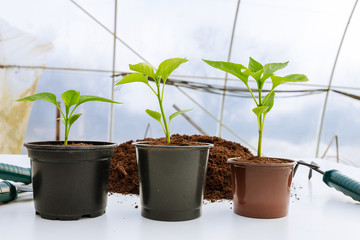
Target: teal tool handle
[8,192]
[15,173]
[342,183]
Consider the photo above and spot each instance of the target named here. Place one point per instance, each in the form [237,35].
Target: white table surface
[316,212]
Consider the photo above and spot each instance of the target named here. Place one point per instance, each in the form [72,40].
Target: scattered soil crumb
[294,194]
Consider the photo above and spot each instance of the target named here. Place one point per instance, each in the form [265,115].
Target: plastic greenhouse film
[20,48]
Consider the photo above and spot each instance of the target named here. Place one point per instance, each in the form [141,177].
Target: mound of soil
[124,175]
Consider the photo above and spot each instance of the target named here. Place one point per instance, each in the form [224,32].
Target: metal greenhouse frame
[223,90]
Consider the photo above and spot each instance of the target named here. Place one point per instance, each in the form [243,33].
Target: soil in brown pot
[267,160]
[124,174]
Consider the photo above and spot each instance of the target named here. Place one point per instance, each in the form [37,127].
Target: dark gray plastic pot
[70,182]
[172,180]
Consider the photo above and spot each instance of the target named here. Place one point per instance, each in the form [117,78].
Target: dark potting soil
[256,159]
[79,144]
[70,144]
[124,175]
[173,142]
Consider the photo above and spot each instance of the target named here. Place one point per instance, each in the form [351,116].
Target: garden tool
[15,173]
[334,178]
[9,191]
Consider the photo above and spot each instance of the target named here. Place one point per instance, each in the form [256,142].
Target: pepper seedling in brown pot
[261,185]
[260,73]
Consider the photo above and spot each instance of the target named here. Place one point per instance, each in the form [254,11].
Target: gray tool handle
[15,173]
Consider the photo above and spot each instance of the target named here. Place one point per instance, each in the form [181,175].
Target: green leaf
[154,114]
[255,75]
[232,68]
[88,98]
[255,69]
[269,101]
[134,77]
[265,76]
[168,66]
[289,78]
[260,110]
[177,113]
[45,96]
[254,66]
[73,118]
[144,68]
[270,68]
[297,77]
[70,98]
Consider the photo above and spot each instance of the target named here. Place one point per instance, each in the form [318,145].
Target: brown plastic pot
[261,190]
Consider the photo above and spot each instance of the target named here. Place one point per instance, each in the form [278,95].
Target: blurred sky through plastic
[307,33]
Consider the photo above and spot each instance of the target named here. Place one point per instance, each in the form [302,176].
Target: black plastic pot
[172,180]
[70,182]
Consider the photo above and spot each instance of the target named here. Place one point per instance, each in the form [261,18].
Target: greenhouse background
[58,45]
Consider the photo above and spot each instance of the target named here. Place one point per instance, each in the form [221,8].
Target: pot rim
[247,164]
[144,144]
[54,145]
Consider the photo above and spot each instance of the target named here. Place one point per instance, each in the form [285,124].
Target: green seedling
[260,73]
[72,99]
[142,73]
